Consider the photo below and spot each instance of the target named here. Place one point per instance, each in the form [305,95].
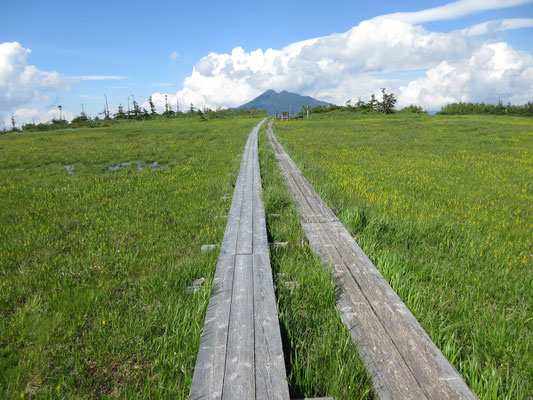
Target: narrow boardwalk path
[241,354]
[402,360]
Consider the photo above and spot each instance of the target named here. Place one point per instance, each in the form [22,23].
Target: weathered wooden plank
[321,210]
[302,205]
[260,239]
[245,240]
[433,371]
[270,372]
[241,354]
[316,214]
[239,375]
[376,348]
[229,242]
[208,378]
[400,356]
[208,375]
[271,382]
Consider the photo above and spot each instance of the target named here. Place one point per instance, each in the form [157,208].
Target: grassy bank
[320,356]
[442,205]
[96,255]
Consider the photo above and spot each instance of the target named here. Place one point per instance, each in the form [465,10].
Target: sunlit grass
[320,356]
[94,265]
[443,206]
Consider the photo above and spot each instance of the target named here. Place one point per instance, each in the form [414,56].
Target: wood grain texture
[241,354]
[400,357]
[239,379]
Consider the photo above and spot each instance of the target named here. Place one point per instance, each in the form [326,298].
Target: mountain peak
[274,102]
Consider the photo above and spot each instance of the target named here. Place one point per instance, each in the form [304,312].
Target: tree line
[525,110]
[133,113]
[374,105]
[385,106]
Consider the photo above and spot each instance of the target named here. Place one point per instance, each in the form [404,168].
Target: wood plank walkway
[400,357]
[241,354]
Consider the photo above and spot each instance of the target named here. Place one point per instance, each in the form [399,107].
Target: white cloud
[494,72]
[331,68]
[182,100]
[498,25]
[98,77]
[22,83]
[453,10]
[27,116]
[353,64]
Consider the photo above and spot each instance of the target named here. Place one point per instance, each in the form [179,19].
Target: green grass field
[443,207]
[96,258]
[321,357]
[94,265]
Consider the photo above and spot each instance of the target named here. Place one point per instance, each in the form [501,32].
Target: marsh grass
[95,265]
[442,206]
[321,358]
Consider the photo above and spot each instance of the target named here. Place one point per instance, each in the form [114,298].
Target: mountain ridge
[274,102]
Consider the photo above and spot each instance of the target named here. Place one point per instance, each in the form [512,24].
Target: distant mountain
[273,102]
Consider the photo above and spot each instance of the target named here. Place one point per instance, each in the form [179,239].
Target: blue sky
[122,48]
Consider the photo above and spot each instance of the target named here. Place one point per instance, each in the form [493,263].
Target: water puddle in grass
[70,169]
[153,166]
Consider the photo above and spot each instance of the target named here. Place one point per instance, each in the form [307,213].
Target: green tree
[80,119]
[373,104]
[13,123]
[120,114]
[387,103]
[136,109]
[412,109]
[152,107]
[360,104]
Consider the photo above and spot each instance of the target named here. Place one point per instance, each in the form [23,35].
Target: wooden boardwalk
[241,354]
[400,357]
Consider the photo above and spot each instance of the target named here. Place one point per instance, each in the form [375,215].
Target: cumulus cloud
[330,67]
[27,116]
[22,83]
[353,64]
[495,71]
